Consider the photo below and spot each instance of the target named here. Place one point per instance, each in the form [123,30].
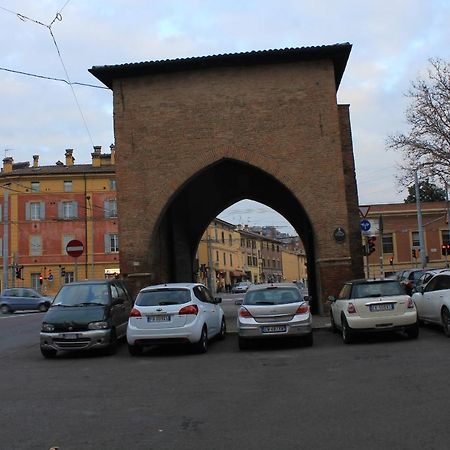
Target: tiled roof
[59,170]
[339,53]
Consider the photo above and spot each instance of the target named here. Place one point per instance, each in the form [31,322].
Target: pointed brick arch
[196,135]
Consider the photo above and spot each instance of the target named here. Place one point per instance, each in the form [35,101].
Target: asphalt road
[383,392]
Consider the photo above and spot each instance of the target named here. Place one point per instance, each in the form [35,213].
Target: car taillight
[244,312]
[191,309]
[135,313]
[302,309]
[410,303]
[351,308]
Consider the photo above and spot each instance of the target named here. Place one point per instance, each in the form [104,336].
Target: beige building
[294,266]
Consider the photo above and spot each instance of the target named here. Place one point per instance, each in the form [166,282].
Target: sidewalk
[321,322]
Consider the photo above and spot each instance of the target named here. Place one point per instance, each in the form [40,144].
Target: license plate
[68,336]
[165,318]
[382,307]
[274,329]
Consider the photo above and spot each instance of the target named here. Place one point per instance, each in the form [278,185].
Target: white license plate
[382,307]
[68,336]
[274,329]
[165,318]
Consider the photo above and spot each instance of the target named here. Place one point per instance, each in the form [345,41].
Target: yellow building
[45,207]
[294,266]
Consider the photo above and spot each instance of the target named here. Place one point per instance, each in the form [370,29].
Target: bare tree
[427,145]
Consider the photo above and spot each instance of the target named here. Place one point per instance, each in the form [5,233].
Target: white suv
[373,305]
[433,301]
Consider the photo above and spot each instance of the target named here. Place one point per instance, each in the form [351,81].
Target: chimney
[35,161]
[96,156]
[113,153]
[7,164]
[69,157]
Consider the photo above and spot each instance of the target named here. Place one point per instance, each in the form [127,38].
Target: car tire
[113,344]
[202,345]
[135,350]
[348,335]
[333,323]
[308,340]
[223,329]
[413,331]
[43,307]
[244,344]
[5,309]
[445,315]
[48,353]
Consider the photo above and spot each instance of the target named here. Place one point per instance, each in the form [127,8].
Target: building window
[231,259]
[35,245]
[35,281]
[111,243]
[69,277]
[415,239]
[215,234]
[230,239]
[67,186]
[217,256]
[224,259]
[67,210]
[112,185]
[255,261]
[110,207]
[249,243]
[388,245]
[35,186]
[273,263]
[278,248]
[263,262]
[445,237]
[223,237]
[35,210]
[273,247]
[242,242]
[249,260]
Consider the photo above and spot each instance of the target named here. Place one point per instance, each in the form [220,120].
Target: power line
[52,78]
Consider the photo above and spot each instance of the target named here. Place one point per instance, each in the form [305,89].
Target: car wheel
[333,323]
[445,321]
[347,332]
[244,344]
[43,307]
[135,350]
[223,329]
[202,345]
[5,309]
[113,344]
[308,340]
[48,353]
[413,331]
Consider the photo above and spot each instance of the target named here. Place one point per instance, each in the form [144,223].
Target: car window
[157,297]
[442,283]
[272,296]
[208,296]
[345,292]
[374,289]
[12,293]
[114,292]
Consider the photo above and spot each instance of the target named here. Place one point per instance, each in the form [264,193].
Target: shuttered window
[110,207]
[67,210]
[35,211]
[111,243]
[35,245]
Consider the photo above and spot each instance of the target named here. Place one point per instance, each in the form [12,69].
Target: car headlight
[48,327]
[98,326]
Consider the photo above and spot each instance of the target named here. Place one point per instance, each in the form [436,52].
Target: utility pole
[212,286]
[381,228]
[423,256]
[5,235]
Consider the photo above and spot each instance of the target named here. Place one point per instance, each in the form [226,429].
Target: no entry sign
[74,248]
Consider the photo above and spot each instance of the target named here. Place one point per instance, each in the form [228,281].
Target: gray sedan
[274,310]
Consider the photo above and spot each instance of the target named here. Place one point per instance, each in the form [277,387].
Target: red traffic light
[41,278]
[371,244]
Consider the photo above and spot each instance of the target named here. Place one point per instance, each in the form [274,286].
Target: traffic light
[445,249]
[391,261]
[41,279]
[414,254]
[63,272]
[19,272]
[371,243]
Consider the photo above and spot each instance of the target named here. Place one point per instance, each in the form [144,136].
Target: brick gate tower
[195,135]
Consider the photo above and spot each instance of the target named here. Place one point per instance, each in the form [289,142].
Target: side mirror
[331,298]
[217,300]
[307,298]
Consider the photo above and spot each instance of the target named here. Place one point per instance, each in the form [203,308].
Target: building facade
[45,207]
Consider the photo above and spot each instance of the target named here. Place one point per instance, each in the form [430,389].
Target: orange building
[48,206]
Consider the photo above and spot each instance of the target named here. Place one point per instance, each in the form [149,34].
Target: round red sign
[74,248]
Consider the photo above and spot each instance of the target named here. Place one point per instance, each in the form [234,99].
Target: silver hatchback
[274,310]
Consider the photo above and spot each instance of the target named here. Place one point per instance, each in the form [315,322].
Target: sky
[392,43]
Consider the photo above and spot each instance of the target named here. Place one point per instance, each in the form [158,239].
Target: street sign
[74,248]
[50,277]
[363,211]
[365,225]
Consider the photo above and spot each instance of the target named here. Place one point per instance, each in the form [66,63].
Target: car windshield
[82,294]
[272,296]
[374,289]
[162,297]
[416,275]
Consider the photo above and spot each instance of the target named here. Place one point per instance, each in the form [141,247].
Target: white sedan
[373,305]
[175,313]
[433,301]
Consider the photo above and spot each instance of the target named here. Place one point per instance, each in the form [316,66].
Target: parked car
[86,315]
[409,278]
[241,287]
[371,306]
[175,313]
[426,276]
[23,299]
[274,310]
[433,301]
